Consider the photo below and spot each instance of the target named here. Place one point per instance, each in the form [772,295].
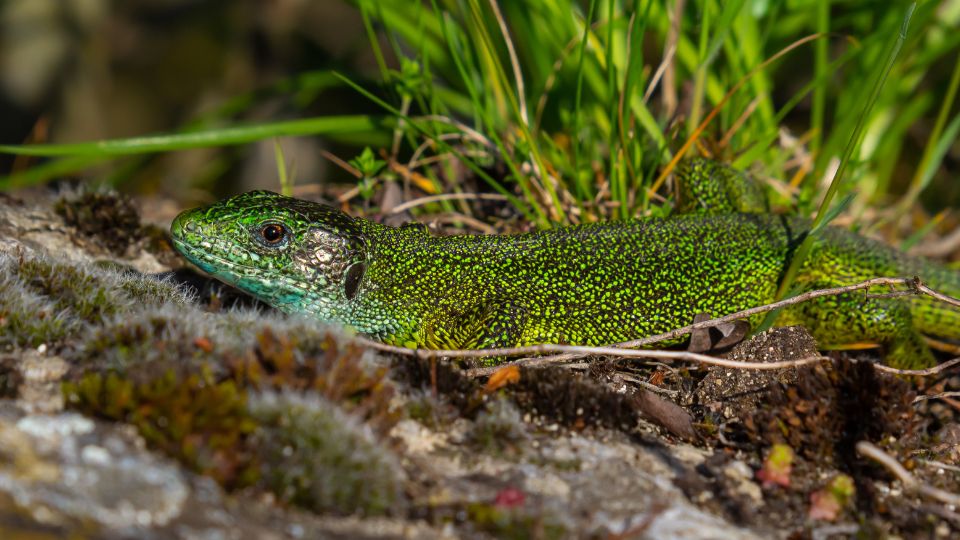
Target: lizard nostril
[183,224]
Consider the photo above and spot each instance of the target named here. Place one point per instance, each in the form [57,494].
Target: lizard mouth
[208,262]
[276,291]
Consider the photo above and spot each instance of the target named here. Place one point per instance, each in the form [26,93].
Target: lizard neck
[382,306]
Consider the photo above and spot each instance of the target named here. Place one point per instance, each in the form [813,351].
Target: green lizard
[590,284]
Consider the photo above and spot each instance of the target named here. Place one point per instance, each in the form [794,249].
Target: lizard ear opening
[351,280]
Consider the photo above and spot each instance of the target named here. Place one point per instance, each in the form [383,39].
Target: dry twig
[918,372]
[447,197]
[910,482]
[941,395]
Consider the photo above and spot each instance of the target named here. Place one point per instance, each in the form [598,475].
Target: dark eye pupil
[272,233]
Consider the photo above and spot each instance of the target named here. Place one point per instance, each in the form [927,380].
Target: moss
[144,355]
[442,379]
[253,350]
[513,522]
[28,319]
[149,292]
[318,362]
[163,338]
[47,301]
[69,289]
[499,428]
[319,457]
[190,416]
[108,218]
[190,400]
[184,380]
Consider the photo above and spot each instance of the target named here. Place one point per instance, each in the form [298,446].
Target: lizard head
[296,255]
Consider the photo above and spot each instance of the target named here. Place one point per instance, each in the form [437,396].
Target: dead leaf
[665,413]
[502,377]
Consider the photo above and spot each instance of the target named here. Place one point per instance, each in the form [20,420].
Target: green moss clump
[90,293]
[513,522]
[47,301]
[67,290]
[319,457]
[185,380]
[300,445]
[190,416]
[340,374]
[144,355]
[26,318]
[166,337]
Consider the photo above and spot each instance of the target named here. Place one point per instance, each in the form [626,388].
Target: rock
[39,391]
[35,229]
[65,468]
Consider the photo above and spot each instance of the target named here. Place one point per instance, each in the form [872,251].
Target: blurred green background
[82,70]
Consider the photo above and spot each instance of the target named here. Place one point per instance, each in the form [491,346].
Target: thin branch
[456,217]
[912,283]
[583,351]
[941,395]
[447,197]
[938,295]
[738,123]
[341,163]
[939,464]
[910,483]
[412,162]
[918,372]
[430,160]
[652,387]
[687,356]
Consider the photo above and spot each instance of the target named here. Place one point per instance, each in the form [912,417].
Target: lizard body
[591,284]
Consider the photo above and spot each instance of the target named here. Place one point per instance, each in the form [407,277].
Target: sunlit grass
[572,110]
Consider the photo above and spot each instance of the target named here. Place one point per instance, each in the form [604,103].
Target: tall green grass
[573,109]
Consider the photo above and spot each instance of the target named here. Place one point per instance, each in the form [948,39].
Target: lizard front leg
[854,317]
[490,325]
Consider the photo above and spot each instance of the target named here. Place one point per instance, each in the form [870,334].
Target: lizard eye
[273,234]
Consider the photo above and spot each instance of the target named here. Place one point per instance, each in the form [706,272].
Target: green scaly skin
[591,284]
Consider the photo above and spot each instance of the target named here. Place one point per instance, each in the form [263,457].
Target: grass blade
[328,125]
